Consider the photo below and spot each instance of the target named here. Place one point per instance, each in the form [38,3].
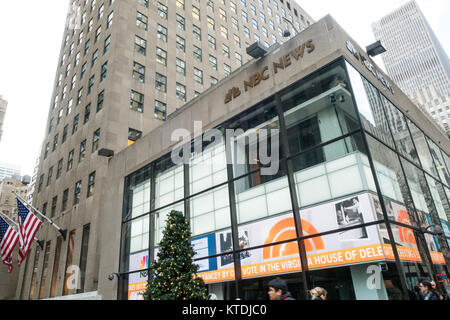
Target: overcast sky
[31,33]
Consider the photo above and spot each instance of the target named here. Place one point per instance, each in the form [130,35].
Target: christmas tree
[173,273]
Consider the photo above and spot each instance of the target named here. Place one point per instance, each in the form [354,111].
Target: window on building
[49,176]
[181,43]
[133,135]
[59,168]
[181,92]
[75,123]
[53,209]
[104,71]
[213,62]
[161,33]
[181,67]
[197,52]
[91,185]
[140,45]
[138,72]
[160,110]
[77,193]
[196,32]
[137,101]
[195,13]
[65,198]
[141,21]
[70,160]
[162,10]
[161,82]
[161,56]
[198,75]
[87,113]
[95,140]
[212,42]
[181,22]
[82,153]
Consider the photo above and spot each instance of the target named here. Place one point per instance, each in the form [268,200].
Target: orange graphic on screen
[285,230]
[406,234]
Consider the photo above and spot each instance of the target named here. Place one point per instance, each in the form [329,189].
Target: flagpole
[40,242]
[62,232]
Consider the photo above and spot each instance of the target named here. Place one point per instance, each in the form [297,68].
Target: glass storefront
[356,184]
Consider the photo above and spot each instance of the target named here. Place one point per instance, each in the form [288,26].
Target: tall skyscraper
[415,60]
[124,67]
[3,104]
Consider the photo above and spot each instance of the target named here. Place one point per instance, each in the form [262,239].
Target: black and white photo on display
[348,213]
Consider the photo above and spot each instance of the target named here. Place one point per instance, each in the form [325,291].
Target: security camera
[332,98]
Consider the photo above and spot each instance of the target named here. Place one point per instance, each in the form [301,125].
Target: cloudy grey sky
[30,39]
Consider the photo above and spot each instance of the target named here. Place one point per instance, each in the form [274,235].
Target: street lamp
[437,229]
[375,49]
[286,32]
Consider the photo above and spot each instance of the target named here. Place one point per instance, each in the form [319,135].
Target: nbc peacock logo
[406,234]
[285,230]
[144,263]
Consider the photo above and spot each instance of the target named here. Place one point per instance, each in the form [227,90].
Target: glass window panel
[392,183]
[137,194]
[210,211]
[256,145]
[169,182]
[399,128]
[161,220]
[370,106]
[208,168]
[439,162]
[319,109]
[321,175]
[438,195]
[422,149]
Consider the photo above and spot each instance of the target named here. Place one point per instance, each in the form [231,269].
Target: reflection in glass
[392,183]
[439,198]
[422,149]
[318,110]
[255,145]
[400,131]
[439,162]
[370,107]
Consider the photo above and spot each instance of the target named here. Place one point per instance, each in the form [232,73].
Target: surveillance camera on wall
[332,98]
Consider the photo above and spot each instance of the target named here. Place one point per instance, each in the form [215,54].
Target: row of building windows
[65,196]
[70,159]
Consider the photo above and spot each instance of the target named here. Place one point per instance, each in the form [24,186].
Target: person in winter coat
[318,293]
[278,290]
[427,291]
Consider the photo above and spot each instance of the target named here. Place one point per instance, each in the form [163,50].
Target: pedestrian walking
[318,293]
[278,290]
[427,291]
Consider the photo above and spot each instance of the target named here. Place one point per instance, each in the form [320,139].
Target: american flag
[8,240]
[28,226]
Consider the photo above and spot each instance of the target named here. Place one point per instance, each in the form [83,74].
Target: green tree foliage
[173,274]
